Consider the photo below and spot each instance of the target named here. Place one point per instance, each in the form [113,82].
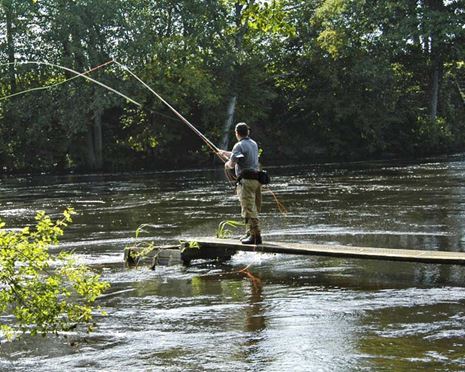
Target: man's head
[242,130]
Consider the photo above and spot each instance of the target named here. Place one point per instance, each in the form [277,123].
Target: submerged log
[163,255]
[197,249]
[171,255]
[223,249]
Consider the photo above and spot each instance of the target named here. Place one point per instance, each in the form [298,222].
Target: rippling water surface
[290,312]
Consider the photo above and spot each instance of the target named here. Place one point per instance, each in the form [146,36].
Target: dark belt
[248,174]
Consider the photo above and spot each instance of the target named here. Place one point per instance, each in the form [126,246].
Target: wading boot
[255,236]
[252,239]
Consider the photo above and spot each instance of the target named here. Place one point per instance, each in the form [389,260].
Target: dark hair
[242,129]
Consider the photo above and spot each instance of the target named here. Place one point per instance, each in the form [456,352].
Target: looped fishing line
[210,144]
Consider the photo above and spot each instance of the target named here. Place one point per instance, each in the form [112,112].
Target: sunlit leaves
[41,293]
[340,24]
[269,17]
[331,41]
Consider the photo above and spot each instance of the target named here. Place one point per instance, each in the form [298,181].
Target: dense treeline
[315,79]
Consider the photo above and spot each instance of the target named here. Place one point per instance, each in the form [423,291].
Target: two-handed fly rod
[210,144]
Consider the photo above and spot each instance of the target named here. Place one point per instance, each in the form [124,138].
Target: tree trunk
[10,45]
[229,121]
[90,154]
[435,92]
[98,139]
[234,65]
[434,8]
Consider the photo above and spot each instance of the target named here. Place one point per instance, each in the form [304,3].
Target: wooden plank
[212,246]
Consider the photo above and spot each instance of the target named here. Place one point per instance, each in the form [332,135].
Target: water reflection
[255,317]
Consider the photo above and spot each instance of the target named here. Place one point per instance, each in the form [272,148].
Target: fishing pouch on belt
[263,177]
[250,174]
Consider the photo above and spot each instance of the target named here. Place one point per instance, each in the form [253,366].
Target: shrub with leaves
[41,293]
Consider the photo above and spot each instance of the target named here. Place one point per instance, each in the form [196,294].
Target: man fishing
[244,160]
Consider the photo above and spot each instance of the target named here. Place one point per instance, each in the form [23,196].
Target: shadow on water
[261,311]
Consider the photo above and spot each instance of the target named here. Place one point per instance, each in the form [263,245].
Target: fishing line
[51,85]
[79,74]
[72,78]
[279,205]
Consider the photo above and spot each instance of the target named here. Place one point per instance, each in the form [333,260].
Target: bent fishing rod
[210,144]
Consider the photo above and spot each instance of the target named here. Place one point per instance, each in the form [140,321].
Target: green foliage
[340,79]
[41,293]
[223,232]
[269,17]
[432,135]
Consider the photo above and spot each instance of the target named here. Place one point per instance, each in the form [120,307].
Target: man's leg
[250,198]
[247,230]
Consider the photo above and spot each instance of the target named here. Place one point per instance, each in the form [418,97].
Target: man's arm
[230,164]
[225,154]
[232,157]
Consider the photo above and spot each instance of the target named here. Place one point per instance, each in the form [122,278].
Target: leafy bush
[41,293]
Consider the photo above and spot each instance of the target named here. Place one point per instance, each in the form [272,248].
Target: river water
[295,313]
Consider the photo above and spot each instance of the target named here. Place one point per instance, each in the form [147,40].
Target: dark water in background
[303,314]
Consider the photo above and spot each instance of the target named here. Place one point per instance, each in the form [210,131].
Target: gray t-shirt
[245,154]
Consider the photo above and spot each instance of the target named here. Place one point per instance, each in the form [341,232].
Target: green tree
[84,32]
[175,55]
[249,27]
[358,78]
[320,78]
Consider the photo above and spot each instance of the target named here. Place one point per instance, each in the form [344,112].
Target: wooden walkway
[223,249]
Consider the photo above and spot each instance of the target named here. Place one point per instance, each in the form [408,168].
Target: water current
[300,313]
